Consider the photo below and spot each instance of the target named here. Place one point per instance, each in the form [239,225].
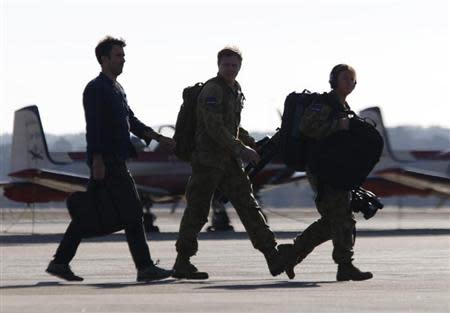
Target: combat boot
[151,273]
[287,252]
[347,271]
[275,262]
[183,268]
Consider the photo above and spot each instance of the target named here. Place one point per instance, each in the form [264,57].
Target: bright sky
[399,49]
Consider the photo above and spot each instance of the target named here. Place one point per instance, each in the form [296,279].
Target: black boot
[62,271]
[275,262]
[151,273]
[183,268]
[287,252]
[347,271]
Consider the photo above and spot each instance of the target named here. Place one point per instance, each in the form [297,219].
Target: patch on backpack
[211,102]
[316,107]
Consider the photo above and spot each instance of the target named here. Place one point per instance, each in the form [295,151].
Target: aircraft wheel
[149,226]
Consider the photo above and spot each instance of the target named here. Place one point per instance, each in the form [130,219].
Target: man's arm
[93,101]
[210,102]
[147,133]
[140,129]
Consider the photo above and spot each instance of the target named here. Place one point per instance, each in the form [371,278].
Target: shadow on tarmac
[16,239]
[284,284]
[210,285]
[81,284]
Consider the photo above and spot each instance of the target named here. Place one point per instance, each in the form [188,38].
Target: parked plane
[161,178]
[38,177]
[419,173]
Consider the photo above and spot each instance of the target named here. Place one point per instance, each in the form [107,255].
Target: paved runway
[410,259]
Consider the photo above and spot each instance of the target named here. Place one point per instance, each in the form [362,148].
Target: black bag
[186,123]
[94,211]
[345,158]
[292,143]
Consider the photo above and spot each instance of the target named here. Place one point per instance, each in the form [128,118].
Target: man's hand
[167,143]
[249,155]
[98,167]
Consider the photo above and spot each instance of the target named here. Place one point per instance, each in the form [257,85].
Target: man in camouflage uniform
[321,119]
[220,145]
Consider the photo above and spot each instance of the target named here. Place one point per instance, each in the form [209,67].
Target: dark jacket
[109,120]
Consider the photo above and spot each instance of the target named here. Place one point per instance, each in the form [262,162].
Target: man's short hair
[337,69]
[228,52]
[105,46]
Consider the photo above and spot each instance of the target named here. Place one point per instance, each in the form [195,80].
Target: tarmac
[407,250]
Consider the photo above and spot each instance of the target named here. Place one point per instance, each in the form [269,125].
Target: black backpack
[186,123]
[292,144]
[345,158]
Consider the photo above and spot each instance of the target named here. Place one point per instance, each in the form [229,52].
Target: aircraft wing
[298,176]
[71,182]
[276,180]
[427,181]
[61,181]
[152,191]
[287,177]
[5,184]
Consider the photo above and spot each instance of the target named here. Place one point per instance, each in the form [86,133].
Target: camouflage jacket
[219,137]
[320,119]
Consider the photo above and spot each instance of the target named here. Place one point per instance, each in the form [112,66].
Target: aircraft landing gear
[149,218]
[219,217]
[219,220]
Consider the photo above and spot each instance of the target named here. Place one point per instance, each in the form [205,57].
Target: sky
[399,49]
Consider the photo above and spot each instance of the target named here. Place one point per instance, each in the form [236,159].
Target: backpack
[345,158]
[292,144]
[186,123]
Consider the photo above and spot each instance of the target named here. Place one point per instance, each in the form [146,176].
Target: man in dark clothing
[109,121]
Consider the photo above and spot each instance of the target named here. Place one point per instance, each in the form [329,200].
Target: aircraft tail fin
[29,147]
[374,114]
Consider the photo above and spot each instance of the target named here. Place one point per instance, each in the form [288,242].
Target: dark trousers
[136,240]
[120,185]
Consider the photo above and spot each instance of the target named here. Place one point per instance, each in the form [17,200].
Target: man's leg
[313,236]
[199,190]
[316,233]
[126,200]
[237,187]
[67,248]
[68,245]
[334,205]
[137,243]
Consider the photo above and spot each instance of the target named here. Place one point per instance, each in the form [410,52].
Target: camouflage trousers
[336,223]
[235,185]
